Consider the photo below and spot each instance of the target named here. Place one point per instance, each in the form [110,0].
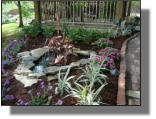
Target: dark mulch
[108,94]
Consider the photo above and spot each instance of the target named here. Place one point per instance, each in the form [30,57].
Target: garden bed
[108,94]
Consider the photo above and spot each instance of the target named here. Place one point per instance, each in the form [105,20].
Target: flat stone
[29,58]
[22,70]
[92,53]
[52,77]
[39,52]
[75,64]
[21,54]
[36,75]
[85,52]
[55,69]
[51,70]
[25,80]
[84,62]
[82,52]
[28,64]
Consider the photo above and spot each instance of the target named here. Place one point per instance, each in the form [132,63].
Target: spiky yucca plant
[63,83]
[86,96]
[92,74]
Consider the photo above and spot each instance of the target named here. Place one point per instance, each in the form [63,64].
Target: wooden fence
[81,12]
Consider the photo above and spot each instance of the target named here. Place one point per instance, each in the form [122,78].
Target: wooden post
[37,11]
[120,10]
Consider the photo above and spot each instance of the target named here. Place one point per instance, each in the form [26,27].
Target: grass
[9,30]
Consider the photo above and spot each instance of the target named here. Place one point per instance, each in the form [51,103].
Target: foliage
[126,29]
[135,2]
[48,31]
[62,49]
[108,56]
[78,34]
[65,29]
[33,29]
[84,35]
[27,11]
[63,82]
[8,53]
[94,34]
[103,42]
[86,96]
[27,7]
[107,33]
[92,74]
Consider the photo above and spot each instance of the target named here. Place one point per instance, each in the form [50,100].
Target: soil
[108,94]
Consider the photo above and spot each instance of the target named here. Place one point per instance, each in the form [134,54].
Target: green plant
[94,34]
[78,34]
[86,96]
[108,33]
[93,74]
[63,82]
[49,31]
[33,29]
[66,29]
[103,42]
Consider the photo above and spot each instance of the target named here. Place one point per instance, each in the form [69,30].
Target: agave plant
[86,96]
[63,82]
[92,74]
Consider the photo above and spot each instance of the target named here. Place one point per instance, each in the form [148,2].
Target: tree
[129,8]
[37,11]
[20,14]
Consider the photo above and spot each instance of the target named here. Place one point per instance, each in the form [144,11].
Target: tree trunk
[129,8]
[20,14]
[120,10]
[37,11]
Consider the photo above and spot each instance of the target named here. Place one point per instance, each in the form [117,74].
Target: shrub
[103,42]
[94,34]
[108,33]
[78,34]
[33,29]
[108,57]
[49,31]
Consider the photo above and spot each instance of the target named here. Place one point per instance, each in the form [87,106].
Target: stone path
[133,64]
[133,72]
[129,69]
